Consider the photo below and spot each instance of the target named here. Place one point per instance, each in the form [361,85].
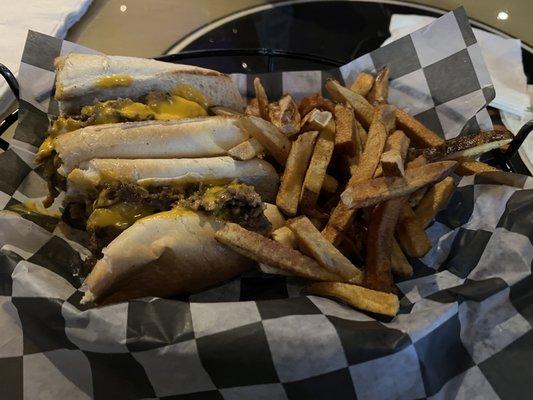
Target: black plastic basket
[507,160]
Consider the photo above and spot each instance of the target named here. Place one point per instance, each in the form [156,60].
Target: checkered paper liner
[465,324]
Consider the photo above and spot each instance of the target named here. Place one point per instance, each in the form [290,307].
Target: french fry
[469,146]
[252,108]
[224,111]
[312,243]
[473,167]
[285,116]
[362,84]
[377,137]
[286,236]
[357,296]
[381,189]
[378,275]
[419,134]
[315,120]
[345,131]
[274,216]
[262,99]
[293,176]
[411,235]
[315,101]
[246,150]
[433,201]
[380,90]
[273,141]
[263,250]
[330,184]
[314,177]
[399,264]
[415,198]
[363,110]
[386,115]
[361,135]
[341,216]
[393,157]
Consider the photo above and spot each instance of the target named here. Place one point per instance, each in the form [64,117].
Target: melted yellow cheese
[212,195]
[120,215]
[191,93]
[60,125]
[176,107]
[114,81]
[114,111]
[136,111]
[174,213]
[65,124]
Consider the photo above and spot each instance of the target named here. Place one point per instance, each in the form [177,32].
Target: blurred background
[149,28]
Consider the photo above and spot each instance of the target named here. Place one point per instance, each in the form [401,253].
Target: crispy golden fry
[262,99]
[293,176]
[252,108]
[378,275]
[473,167]
[386,115]
[286,236]
[363,110]
[274,215]
[247,150]
[375,144]
[435,199]
[379,171]
[362,84]
[273,141]
[330,184]
[263,250]
[285,116]
[399,142]
[357,296]
[314,177]
[315,120]
[419,134]
[315,101]
[361,135]
[312,243]
[381,189]
[393,157]
[411,235]
[341,216]
[415,198]
[380,90]
[399,264]
[469,146]
[345,130]
[224,111]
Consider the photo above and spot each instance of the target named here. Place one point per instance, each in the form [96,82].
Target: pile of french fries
[360,182]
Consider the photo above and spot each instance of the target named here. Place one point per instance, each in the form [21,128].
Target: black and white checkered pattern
[464,330]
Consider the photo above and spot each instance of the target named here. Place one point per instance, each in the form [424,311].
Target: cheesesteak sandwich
[97,89]
[109,90]
[169,252]
[186,138]
[155,220]
[82,79]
